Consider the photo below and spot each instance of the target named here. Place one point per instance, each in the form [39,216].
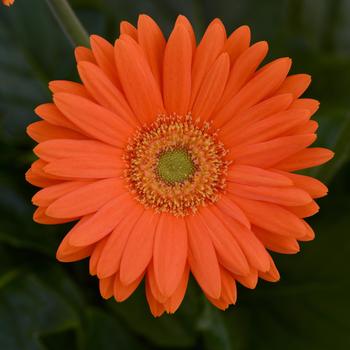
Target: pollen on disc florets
[175,165]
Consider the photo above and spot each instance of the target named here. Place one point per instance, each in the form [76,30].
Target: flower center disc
[175,166]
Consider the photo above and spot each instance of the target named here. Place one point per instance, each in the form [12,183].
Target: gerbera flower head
[8,2]
[178,158]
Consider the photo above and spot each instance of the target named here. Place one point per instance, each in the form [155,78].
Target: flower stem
[69,22]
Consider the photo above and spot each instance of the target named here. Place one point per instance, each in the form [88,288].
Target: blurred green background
[48,305]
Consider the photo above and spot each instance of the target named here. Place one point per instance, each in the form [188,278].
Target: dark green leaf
[167,330]
[107,333]
[28,309]
[215,333]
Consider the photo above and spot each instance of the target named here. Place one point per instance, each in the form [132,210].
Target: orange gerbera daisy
[8,2]
[177,158]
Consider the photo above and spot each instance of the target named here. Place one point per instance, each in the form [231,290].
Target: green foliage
[29,309]
[47,305]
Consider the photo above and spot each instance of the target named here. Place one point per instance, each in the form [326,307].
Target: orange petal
[109,261]
[49,194]
[50,113]
[177,71]
[314,187]
[229,252]
[170,252]
[138,82]
[39,181]
[84,54]
[157,309]
[68,253]
[305,211]
[40,217]
[122,291]
[309,127]
[70,87]
[255,113]
[105,92]
[306,158]
[253,176]
[139,248]
[94,119]
[57,149]
[228,291]
[80,254]
[95,256]
[272,275]
[249,281]
[128,29]
[202,258]
[270,128]
[306,103]
[272,217]
[277,243]
[237,42]
[173,303]
[153,284]
[43,131]
[106,287]
[86,199]
[288,196]
[207,51]
[267,154]
[262,85]
[186,23]
[243,69]
[104,54]
[309,235]
[98,167]
[230,208]
[219,303]
[102,222]
[38,169]
[212,88]
[295,84]
[152,41]
[252,248]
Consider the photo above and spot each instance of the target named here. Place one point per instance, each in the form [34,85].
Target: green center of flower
[175,166]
